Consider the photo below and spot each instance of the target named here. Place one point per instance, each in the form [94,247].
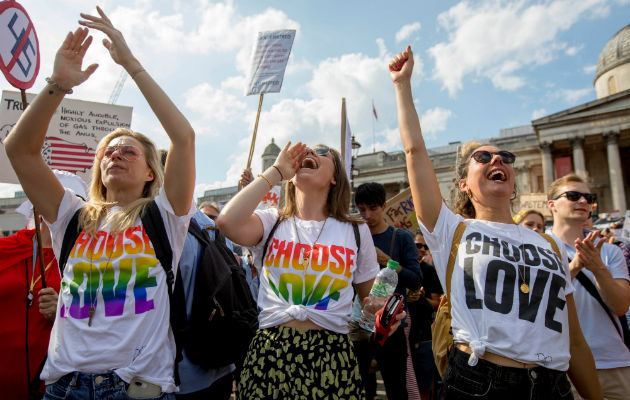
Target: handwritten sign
[19,46]
[269,61]
[535,201]
[399,211]
[73,133]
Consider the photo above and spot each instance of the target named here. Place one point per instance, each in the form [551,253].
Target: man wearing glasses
[601,281]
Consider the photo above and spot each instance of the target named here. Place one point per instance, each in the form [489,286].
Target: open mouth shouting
[309,162]
[497,175]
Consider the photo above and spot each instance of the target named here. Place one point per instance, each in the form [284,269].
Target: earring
[469,194]
[513,195]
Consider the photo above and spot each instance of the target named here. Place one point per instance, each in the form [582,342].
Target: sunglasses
[421,246]
[321,150]
[128,152]
[575,196]
[484,157]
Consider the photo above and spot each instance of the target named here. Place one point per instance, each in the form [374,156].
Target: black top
[406,253]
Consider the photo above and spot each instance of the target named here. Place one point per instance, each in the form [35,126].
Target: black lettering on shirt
[494,242]
[470,248]
[529,303]
[516,254]
[557,283]
[492,280]
[549,258]
[469,284]
[530,255]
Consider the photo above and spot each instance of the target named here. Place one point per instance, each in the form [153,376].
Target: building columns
[614,171]
[547,164]
[579,166]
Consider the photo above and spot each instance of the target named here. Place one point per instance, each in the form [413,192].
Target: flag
[374,110]
[66,156]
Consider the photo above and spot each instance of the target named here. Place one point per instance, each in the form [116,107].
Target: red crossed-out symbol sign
[19,47]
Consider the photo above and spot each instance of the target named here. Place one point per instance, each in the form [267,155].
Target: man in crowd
[396,244]
[598,269]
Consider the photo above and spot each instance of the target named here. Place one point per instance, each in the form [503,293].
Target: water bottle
[384,286]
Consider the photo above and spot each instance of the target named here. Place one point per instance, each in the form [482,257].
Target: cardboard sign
[19,47]
[399,211]
[73,133]
[269,61]
[535,201]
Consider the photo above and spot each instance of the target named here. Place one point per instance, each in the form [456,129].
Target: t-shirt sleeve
[268,218]
[367,266]
[616,262]
[565,265]
[70,203]
[440,240]
[176,226]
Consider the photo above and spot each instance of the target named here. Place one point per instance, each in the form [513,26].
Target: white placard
[73,134]
[271,199]
[269,61]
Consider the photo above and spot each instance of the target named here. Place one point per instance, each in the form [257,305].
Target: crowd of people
[535,314]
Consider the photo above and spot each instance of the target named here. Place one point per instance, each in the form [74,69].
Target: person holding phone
[514,323]
[111,337]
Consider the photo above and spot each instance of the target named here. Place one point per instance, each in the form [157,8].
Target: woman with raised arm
[514,323]
[309,255]
[111,337]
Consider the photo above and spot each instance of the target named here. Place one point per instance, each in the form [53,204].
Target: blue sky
[481,66]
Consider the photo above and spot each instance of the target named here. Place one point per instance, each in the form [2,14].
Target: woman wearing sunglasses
[308,261]
[111,337]
[513,317]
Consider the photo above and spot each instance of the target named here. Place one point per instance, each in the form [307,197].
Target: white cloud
[539,113]
[572,96]
[406,31]
[590,69]
[213,105]
[434,120]
[497,39]
[573,50]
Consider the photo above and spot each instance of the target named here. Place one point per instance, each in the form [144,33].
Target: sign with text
[269,61]
[399,211]
[19,46]
[535,201]
[73,133]
[271,199]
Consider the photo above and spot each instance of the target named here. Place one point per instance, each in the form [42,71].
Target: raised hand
[246,177]
[401,66]
[116,45]
[289,159]
[67,72]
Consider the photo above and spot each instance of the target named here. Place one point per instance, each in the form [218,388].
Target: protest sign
[535,201]
[399,211]
[271,199]
[269,60]
[73,133]
[19,46]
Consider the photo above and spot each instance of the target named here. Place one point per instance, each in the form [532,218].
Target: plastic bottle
[384,286]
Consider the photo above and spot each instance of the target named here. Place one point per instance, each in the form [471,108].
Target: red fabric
[16,264]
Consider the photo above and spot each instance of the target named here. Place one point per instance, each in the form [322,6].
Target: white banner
[269,61]
[73,134]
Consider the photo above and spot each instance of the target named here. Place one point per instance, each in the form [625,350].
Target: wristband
[278,169]
[56,85]
[268,181]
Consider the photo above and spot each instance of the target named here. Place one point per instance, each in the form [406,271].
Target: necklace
[521,275]
[307,254]
[92,308]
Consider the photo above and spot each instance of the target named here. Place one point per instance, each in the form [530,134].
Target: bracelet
[278,169]
[55,84]
[133,74]
[268,181]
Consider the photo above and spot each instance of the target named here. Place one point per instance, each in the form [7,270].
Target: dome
[616,53]
[271,150]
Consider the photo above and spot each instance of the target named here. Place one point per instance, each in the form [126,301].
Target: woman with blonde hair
[309,256]
[531,219]
[111,337]
[513,316]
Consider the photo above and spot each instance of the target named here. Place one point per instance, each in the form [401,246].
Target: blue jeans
[81,386]
[490,381]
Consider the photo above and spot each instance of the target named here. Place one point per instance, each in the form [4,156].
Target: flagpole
[343,126]
[38,234]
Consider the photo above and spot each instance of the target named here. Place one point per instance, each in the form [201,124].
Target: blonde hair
[555,186]
[338,200]
[96,207]
[518,218]
[461,201]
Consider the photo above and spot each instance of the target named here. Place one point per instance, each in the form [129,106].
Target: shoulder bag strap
[592,290]
[271,232]
[69,238]
[553,244]
[457,237]
[391,246]
[357,237]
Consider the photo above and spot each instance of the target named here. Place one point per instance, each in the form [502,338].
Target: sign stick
[40,253]
[343,126]
[251,147]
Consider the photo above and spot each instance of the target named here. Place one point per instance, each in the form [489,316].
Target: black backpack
[224,315]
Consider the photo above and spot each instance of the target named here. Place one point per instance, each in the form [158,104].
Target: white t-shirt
[602,337]
[323,293]
[130,332]
[489,311]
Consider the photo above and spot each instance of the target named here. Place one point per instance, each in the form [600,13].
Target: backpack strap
[271,232]
[457,237]
[553,244]
[357,237]
[391,246]
[69,238]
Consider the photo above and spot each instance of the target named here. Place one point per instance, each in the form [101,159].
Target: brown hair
[555,186]
[461,201]
[96,207]
[338,201]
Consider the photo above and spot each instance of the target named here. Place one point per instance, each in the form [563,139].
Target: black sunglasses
[422,246]
[484,157]
[575,196]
